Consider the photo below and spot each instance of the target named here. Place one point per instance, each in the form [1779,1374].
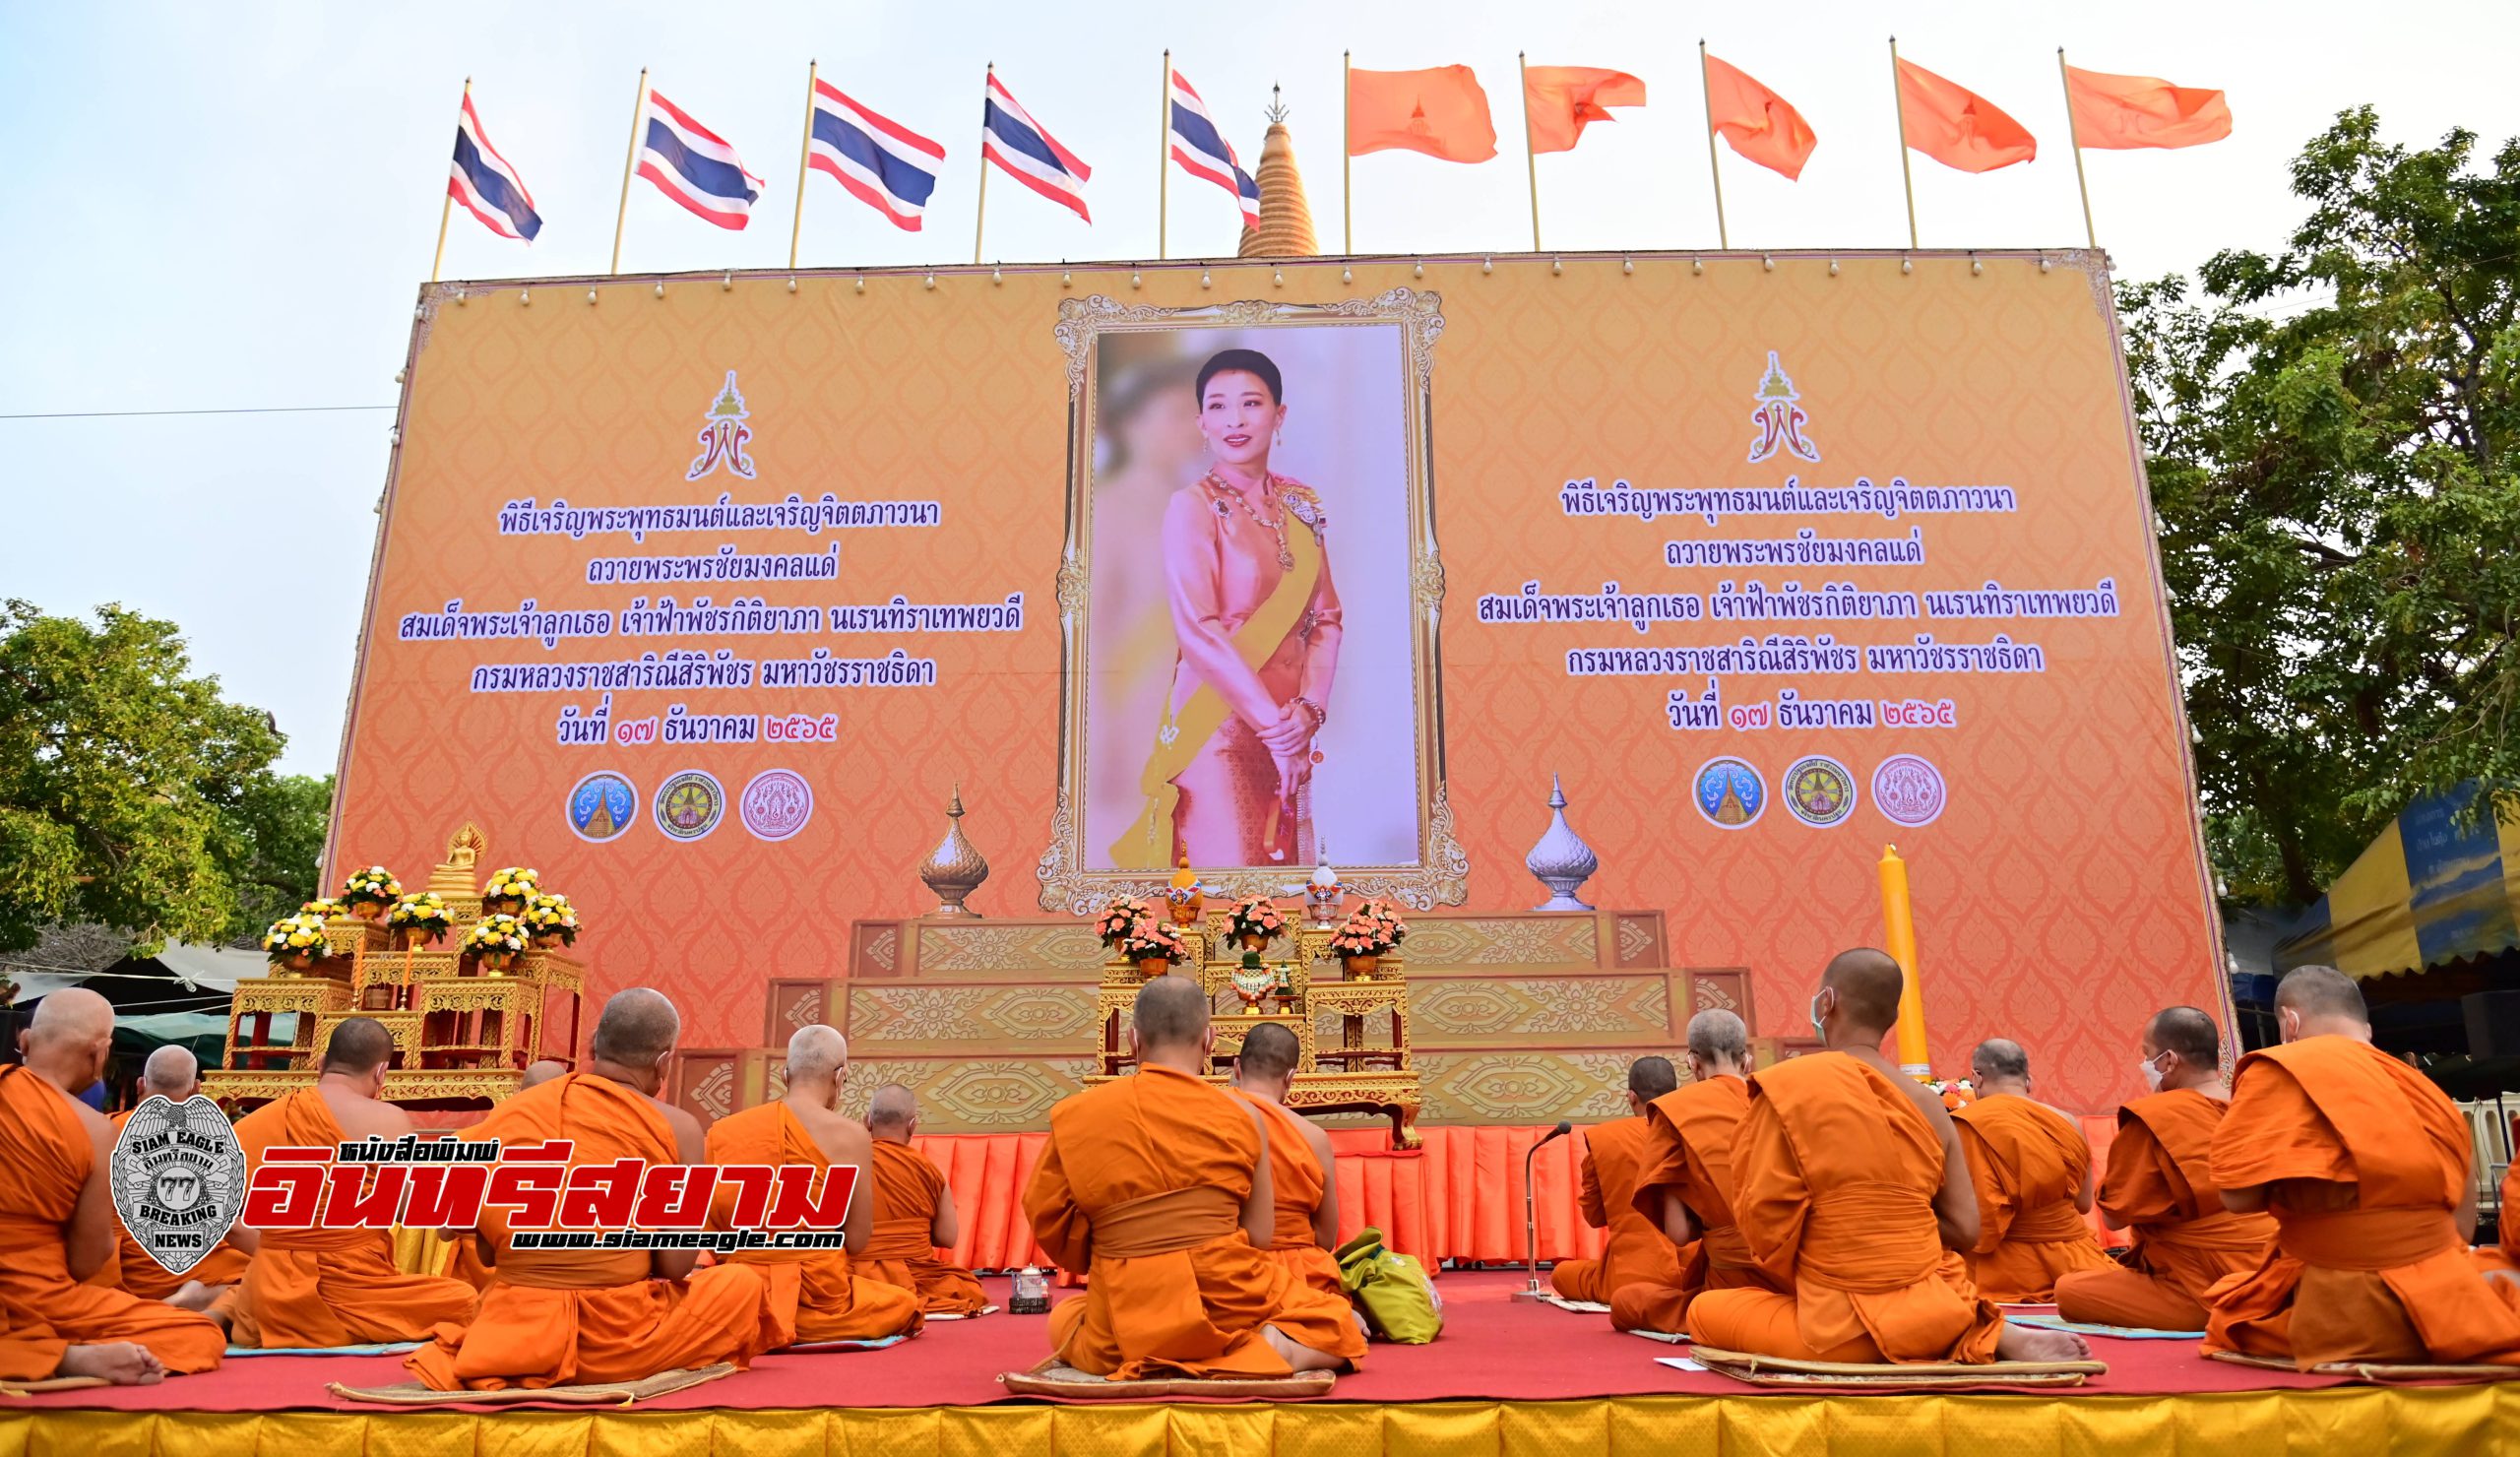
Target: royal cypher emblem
[178,1179]
[723,435]
[1780,418]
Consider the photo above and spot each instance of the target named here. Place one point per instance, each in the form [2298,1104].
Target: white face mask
[1819,1030]
[2153,1074]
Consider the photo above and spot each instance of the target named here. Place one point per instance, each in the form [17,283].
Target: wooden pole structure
[2075,135]
[1722,235]
[621,214]
[1531,159]
[979,218]
[446,204]
[1899,96]
[805,156]
[1164,157]
[1346,156]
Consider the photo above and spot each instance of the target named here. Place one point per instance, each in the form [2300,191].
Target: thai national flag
[695,166]
[488,187]
[884,165]
[1202,151]
[1012,139]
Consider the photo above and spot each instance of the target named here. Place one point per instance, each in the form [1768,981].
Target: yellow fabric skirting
[2400,1423]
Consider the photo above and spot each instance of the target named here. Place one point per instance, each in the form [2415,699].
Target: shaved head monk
[2161,1185]
[1613,1160]
[1157,1186]
[320,1288]
[815,1294]
[2031,1169]
[2364,1163]
[1848,1182]
[913,1213]
[1686,1184]
[57,1221]
[566,1317]
[1301,1165]
[174,1074]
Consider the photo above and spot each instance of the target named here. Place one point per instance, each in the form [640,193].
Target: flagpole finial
[1277,112]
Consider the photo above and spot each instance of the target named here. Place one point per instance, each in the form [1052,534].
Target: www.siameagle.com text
[720,1242]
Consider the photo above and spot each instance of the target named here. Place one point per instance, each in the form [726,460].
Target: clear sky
[229,206]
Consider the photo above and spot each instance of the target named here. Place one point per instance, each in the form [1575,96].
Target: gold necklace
[1274,523]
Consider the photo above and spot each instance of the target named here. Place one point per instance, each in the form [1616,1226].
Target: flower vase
[1251,940]
[300,963]
[546,940]
[499,965]
[368,909]
[1361,968]
[407,938]
[502,905]
[1154,966]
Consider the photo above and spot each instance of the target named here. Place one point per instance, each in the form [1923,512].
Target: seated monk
[2161,1185]
[560,1317]
[1638,1253]
[913,1213]
[466,1259]
[174,1074]
[2030,1171]
[57,1221]
[1157,1185]
[320,1288]
[814,1294]
[1301,1162]
[1850,1187]
[30,1351]
[2363,1162]
[1686,1180]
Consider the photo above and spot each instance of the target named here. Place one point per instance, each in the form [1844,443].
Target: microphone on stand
[1530,1217]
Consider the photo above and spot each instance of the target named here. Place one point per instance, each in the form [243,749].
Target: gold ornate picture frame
[1442,873]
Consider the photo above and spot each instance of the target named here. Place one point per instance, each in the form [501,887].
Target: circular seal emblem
[689,806]
[603,806]
[1731,793]
[775,805]
[1820,791]
[1907,790]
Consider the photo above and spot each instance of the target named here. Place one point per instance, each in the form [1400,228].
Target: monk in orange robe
[2364,1163]
[470,1259]
[1686,1184]
[1157,1186]
[560,1317]
[174,1074]
[913,1213]
[323,1287]
[2161,1185]
[1301,1162]
[815,1294]
[57,1221]
[2030,1171]
[1849,1184]
[1613,1160]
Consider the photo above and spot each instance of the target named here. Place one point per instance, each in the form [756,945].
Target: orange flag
[1761,125]
[2117,112]
[1439,112]
[1956,126]
[1561,100]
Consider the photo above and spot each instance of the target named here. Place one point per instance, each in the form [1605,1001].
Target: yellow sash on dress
[1197,722]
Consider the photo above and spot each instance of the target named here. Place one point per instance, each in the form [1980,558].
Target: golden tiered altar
[461,1035]
[1367,1072]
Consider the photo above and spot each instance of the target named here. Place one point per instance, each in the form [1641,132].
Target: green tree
[279,825]
[129,789]
[2331,434]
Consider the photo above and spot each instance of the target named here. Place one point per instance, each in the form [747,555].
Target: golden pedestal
[1357,1076]
[461,1035]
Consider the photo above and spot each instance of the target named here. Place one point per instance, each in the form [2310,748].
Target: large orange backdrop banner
[1771,567]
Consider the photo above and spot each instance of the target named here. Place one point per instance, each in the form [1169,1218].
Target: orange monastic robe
[137,1271]
[554,1317]
[1852,1229]
[316,1287]
[908,1188]
[1688,1152]
[2366,1162]
[1638,1254]
[1297,1181]
[1142,1184]
[2027,1163]
[28,1349]
[46,1158]
[2160,1186]
[815,1294]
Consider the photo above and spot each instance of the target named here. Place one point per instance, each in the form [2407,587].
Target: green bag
[1399,1301]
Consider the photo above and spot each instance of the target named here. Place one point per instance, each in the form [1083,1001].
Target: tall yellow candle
[1899,930]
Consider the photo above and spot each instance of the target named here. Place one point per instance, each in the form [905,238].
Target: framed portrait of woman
[1249,598]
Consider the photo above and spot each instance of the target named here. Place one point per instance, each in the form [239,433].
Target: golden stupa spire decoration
[954,868]
[1285,221]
